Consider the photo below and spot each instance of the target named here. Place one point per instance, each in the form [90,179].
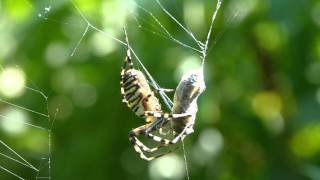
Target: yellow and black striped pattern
[136,92]
[139,97]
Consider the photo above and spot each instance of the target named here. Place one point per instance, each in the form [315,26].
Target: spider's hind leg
[140,148]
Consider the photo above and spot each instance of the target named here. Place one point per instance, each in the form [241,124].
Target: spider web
[202,48]
[199,47]
[25,143]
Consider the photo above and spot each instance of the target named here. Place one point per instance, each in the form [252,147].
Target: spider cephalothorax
[139,97]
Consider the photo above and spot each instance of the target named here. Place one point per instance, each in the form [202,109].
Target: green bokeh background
[258,118]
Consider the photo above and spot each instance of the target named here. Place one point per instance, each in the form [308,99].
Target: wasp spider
[139,97]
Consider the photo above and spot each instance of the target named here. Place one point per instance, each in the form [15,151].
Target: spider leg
[140,147]
[167,116]
[124,79]
[162,119]
[167,142]
[136,142]
[165,90]
[148,128]
[128,57]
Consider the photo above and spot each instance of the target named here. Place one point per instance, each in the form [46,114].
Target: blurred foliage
[258,119]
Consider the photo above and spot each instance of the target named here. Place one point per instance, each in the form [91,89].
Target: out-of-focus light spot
[193,13]
[315,13]
[276,125]
[64,106]
[64,80]
[312,73]
[268,105]
[73,32]
[87,7]
[318,95]
[81,53]
[102,45]
[188,64]
[312,171]
[13,121]
[56,54]
[269,36]
[170,166]
[8,42]
[84,95]
[211,141]
[209,144]
[241,9]
[18,10]
[12,82]
[306,142]
[115,12]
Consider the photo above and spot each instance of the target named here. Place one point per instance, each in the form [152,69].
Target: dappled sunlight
[84,95]
[268,106]
[18,11]
[115,14]
[8,42]
[187,64]
[209,144]
[270,36]
[192,9]
[13,121]
[312,72]
[12,82]
[305,142]
[64,80]
[102,46]
[56,54]
[168,167]
[242,9]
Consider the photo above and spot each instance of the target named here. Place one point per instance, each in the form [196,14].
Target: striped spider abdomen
[137,93]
